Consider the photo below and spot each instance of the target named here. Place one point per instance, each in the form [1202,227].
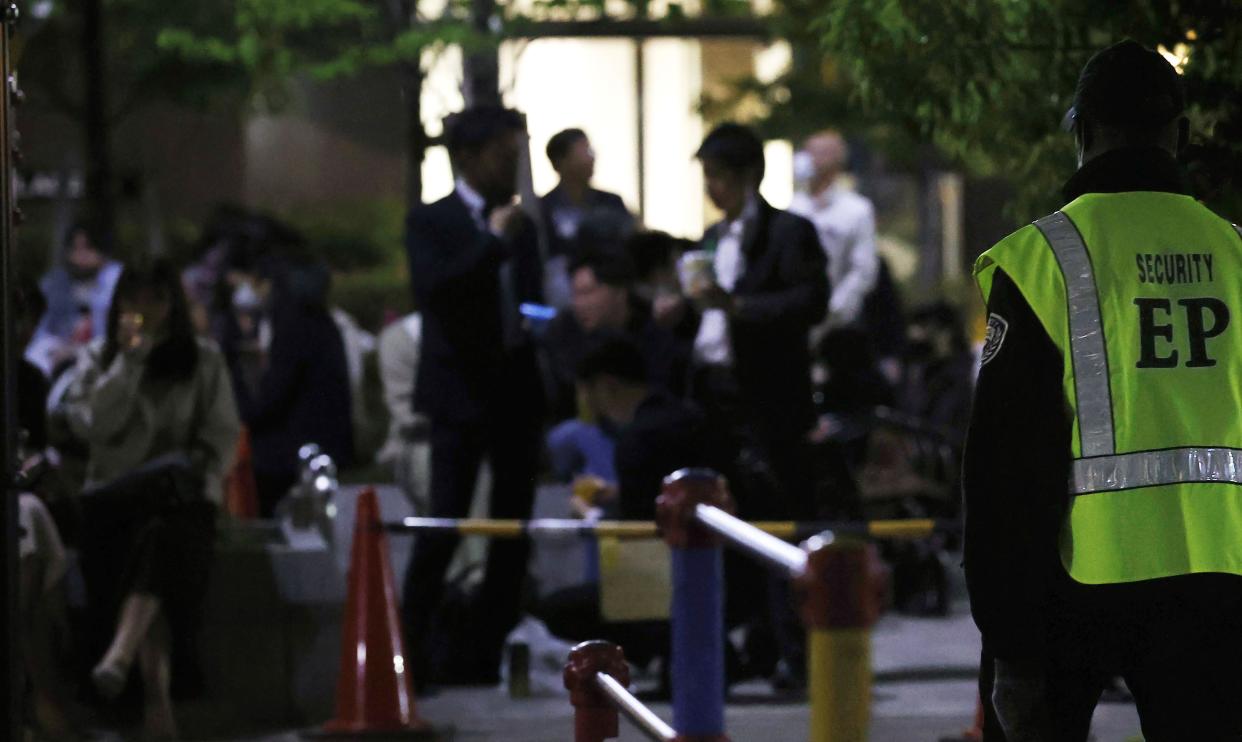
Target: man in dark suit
[573,200]
[473,259]
[575,214]
[768,288]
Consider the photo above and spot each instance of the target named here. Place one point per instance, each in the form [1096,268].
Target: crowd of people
[558,341]
[764,351]
[137,382]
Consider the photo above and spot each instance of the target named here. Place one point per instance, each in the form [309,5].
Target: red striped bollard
[595,718]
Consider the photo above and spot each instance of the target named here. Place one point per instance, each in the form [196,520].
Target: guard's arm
[1015,472]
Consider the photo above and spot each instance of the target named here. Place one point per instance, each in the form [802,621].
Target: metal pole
[767,548]
[11,659]
[652,726]
[640,97]
[637,529]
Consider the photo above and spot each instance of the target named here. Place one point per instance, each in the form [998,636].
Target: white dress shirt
[845,222]
[474,201]
[712,345]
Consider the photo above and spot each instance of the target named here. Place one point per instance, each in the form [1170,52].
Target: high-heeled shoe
[109,679]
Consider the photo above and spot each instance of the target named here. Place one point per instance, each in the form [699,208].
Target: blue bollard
[698,672]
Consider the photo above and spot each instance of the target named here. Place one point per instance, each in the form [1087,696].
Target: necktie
[510,317]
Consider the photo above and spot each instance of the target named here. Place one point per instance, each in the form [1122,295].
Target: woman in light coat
[154,405]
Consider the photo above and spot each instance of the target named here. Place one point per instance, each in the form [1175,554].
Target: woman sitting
[155,407]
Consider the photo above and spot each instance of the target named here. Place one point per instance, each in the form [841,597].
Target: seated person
[655,255]
[655,434]
[78,291]
[603,302]
[154,406]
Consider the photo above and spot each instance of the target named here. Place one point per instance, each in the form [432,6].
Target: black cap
[1127,86]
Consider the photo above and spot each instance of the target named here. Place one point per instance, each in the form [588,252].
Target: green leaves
[989,80]
[273,41]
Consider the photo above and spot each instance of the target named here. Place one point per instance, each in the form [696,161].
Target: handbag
[161,484]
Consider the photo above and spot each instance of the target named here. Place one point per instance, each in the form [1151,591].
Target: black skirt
[162,550]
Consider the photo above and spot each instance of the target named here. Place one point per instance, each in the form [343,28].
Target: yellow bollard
[842,591]
[839,683]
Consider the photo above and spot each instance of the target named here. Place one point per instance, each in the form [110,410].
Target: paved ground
[924,688]
[923,693]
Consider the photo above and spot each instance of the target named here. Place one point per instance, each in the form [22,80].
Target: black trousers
[1176,642]
[510,444]
[773,481]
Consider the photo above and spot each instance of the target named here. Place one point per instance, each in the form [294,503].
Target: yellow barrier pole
[787,530]
[842,592]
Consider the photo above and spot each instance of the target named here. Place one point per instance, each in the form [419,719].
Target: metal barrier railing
[911,528]
[644,718]
[596,676]
[838,579]
[840,584]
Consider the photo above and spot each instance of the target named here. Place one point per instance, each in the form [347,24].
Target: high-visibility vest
[1142,294]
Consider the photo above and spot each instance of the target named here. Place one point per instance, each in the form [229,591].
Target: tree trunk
[404,17]
[481,70]
[102,205]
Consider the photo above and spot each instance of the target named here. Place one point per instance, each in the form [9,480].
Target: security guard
[1113,363]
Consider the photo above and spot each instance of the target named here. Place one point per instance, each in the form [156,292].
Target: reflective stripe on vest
[1101,470]
[1129,471]
[1095,400]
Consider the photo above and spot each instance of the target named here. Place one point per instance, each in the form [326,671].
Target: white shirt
[845,222]
[474,201]
[712,345]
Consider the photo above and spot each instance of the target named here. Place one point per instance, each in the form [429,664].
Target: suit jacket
[597,202]
[782,293]
[465,369]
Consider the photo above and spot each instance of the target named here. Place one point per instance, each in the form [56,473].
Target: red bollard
[595,718]
[683,490]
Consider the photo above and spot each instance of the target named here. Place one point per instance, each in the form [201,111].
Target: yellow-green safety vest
[1142,294]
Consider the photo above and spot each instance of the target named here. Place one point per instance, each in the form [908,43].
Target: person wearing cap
[1104,457]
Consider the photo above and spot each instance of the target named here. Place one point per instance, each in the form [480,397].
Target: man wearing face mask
[1103,528]
[845,222]
[474,259]
[78,293]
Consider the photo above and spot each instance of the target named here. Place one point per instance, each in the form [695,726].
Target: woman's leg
[138,613]
[155,665]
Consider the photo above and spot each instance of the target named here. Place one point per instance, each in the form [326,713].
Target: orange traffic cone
[373,690]
[241,493]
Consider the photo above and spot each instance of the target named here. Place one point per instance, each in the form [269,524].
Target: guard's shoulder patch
[997,328]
